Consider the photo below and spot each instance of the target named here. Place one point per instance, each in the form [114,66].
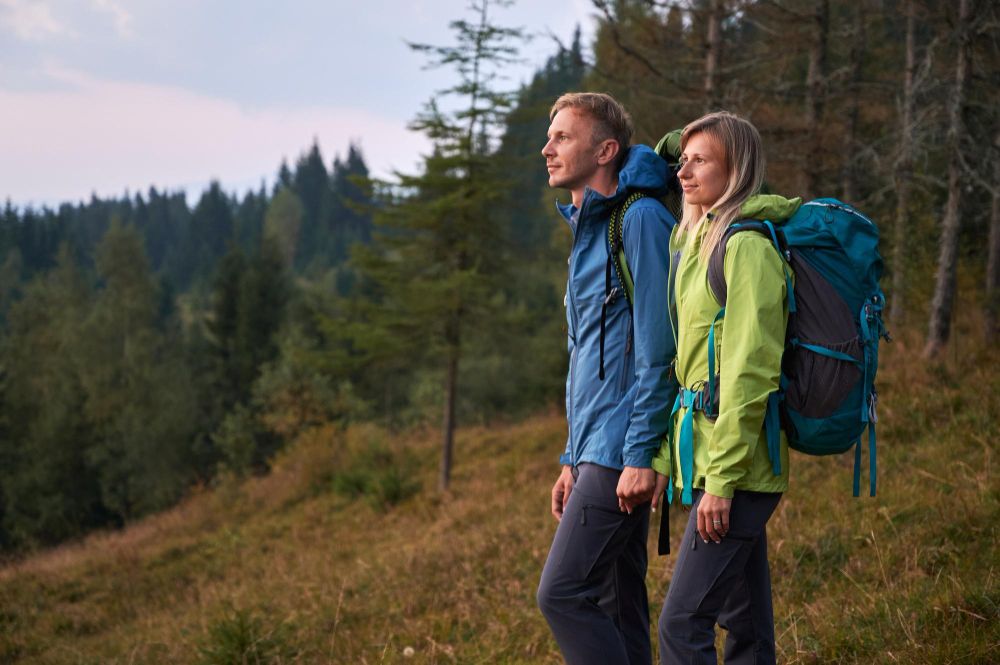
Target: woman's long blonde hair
[741,146]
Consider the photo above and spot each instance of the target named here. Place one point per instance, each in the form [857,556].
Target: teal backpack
[827,393]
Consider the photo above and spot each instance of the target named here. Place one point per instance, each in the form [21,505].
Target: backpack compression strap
[616,257]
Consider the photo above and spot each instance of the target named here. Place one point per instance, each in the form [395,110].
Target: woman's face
[703,173]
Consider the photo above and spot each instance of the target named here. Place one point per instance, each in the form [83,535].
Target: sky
[108,96]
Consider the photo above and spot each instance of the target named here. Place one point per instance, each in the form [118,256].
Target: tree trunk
[849,150]
[904,172]
[451,389]
[992,312]
[944,287]
[713,45]
[815,97]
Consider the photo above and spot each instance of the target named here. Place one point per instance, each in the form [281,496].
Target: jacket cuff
[718,487]
[639,458]
[661,465]
[565,459]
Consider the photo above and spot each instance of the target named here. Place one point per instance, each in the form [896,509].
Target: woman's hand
[661,485]
[713,517]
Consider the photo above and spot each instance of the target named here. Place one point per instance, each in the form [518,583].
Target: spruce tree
[439,259]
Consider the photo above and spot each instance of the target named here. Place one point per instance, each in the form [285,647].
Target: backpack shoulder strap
[716,262]
[616,243]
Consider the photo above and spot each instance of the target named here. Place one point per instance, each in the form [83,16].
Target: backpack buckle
[612,295]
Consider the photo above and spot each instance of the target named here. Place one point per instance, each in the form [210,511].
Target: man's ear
[607,151]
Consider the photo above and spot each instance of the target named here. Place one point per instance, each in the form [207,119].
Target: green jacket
[731,453]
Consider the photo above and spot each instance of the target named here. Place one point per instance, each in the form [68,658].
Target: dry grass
[311,575]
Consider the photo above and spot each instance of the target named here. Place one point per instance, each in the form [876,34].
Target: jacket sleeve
[566,457]
[646,236]
[751,346]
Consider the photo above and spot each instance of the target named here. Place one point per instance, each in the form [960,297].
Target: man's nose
[547,149]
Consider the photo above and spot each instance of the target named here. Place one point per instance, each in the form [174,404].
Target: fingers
[661,485]
[703,521]
[713,520]
[558,499]
[560,493]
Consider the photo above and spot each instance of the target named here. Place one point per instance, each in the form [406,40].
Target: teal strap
[711,357]
[788,278]
[686,446]
[772,429]
[871,458]
[670,438]
[830,353]
[867,341]
[857,468]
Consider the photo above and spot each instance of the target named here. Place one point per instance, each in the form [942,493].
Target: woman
[716,453]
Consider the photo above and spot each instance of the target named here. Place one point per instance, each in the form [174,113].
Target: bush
[378,474]
[241,638]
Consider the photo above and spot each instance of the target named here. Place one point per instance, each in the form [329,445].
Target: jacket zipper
[675,261]
[628,350]
[572,360]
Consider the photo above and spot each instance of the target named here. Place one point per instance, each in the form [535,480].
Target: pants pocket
[592,539]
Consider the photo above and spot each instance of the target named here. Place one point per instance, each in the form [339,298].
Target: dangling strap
[871,458]
[857,468]
[692,402]
[670,439]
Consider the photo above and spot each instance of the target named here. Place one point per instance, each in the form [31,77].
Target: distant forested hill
[149,348]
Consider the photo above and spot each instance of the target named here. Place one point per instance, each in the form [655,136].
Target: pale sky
[106,96]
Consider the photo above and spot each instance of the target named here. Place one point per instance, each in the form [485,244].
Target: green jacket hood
[773,207]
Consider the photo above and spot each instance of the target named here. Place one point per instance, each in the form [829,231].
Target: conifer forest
[150,347]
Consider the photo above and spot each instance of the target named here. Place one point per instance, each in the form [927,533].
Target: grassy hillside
[340,556]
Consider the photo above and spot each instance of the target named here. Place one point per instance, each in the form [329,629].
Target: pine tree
[439,258]
[137,395]
[50,491]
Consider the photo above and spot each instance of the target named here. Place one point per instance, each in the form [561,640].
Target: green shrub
[241,638]
[378,474]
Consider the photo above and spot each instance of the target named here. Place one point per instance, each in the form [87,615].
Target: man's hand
[635,487]
[561,491]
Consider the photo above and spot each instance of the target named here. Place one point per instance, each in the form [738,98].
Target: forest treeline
[148,347]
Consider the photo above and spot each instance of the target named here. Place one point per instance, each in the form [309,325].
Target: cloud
[121,16]
[30,20]
[105,136]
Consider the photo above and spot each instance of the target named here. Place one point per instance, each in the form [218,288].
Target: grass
[339,556]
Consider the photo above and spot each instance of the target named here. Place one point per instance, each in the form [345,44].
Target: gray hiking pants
[593,586]
[728,583]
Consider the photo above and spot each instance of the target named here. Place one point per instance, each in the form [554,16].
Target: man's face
[571,156]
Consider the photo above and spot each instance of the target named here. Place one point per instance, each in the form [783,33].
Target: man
[618,390]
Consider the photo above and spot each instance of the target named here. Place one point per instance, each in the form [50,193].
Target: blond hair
[612,121]
[744,159]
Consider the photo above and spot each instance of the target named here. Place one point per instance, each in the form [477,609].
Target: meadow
[346,552]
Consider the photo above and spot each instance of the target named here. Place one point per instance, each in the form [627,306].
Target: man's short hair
[612,121]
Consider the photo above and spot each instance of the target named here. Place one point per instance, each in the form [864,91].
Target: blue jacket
[621,420]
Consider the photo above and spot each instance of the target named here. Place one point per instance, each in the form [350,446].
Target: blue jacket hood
[643,170]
